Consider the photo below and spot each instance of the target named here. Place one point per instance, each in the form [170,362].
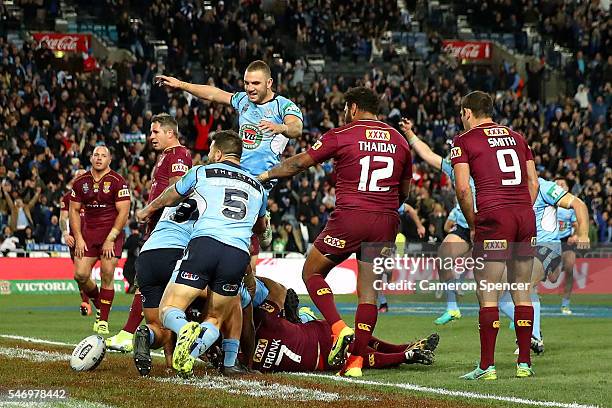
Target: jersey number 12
[377,175]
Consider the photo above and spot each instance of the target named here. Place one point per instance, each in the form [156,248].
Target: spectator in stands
[53,234]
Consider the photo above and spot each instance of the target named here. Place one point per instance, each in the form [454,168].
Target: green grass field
[575,368]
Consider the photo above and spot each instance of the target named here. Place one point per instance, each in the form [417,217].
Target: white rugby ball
[88,354]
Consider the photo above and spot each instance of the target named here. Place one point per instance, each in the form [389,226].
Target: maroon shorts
[505,232]
[95,239]
[346,230]
[254,248]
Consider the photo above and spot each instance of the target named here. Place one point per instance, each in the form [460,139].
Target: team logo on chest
[106,187]
[251,136]
[85,188]
[96,187]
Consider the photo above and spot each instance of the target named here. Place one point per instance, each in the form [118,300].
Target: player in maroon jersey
[173,161]
[64,225]
[105,199]
[285,346]
[501,164]
[374,168]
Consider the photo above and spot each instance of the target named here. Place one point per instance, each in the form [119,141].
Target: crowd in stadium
[51,118]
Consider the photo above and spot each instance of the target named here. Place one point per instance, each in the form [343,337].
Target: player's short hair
[228,142]
[259,65]
[101,145]
[480,103]
[167,122]
[365,99]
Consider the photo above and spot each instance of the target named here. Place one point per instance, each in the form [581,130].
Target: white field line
[56,403]
[451,393]
[33,355]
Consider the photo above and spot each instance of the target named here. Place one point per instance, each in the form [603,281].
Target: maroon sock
[135,316]
[384,347]
[323,298]
[523,326]
[375,359]
[106,301]
[365,320]
[489,326]
[94,295]
[84,297]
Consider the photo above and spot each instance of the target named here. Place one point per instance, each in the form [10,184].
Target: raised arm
[207,92]
[581,238]
[420,147]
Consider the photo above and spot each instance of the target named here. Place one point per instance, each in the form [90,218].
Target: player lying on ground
[232,207]
[105,198]
[551,197]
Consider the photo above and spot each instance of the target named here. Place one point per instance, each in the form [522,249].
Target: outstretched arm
[210,93]
[420,147]
[290,167]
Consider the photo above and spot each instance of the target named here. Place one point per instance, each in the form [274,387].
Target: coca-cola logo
[468,50]
[65,43]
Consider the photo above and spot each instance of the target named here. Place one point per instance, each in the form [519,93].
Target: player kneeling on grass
[233,204]
[547,261]
[291,340]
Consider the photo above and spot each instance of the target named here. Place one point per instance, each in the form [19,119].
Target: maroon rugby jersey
[285,346]
[497,157]
[371,159]
[172,162]
[98,198]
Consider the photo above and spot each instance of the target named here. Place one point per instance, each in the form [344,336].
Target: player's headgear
[365,99]
[167,122]
[480,103]
[228,142]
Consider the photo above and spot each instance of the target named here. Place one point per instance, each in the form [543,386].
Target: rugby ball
[88,354]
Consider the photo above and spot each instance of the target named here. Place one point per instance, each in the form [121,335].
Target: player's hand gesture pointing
[163,80]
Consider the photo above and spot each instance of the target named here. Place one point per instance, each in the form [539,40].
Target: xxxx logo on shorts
[371,359]
[335,242]
[495,244]
[363,326]
[324,291]
[260,350]
[496,324]
[523,323]
[251,136]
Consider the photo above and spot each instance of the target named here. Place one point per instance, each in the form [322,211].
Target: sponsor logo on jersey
[335,242]
[189,276]
[555,191]
[106,187]
[124,192]
[179,168]
[251,136]
[96,187]
[371,359]
[317,145]
[245,108]
[323,291]
[455,152]
[230,287]
[495,244]
[364,326]
[85,188]
[534,241]
[267,307]
[260,350]
[293,109]
[72,193]
[496,131]
[523,323]
[376,134]
[496,324]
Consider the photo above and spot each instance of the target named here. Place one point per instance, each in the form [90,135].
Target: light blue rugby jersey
[566,219]
[545,208]
[459,218]
[262,150]
[168,233]
[229,202]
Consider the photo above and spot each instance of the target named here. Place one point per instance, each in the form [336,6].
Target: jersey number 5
[514,167]
[235,203]
[377,175]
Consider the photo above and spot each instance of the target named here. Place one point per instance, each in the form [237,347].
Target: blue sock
[230,350]
[382,299]
[174,319]
[565,302]
[506,305]
[535,301]
[209,335]
[451,299]
[151,337]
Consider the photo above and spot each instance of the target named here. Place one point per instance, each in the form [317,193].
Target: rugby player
[457,242]
[374,170]
[231,205]
[104,196]
[172,163]
[64,224]
[501,164]
[550,199]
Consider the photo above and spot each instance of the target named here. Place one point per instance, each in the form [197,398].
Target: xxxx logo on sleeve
[324,291]
[363,326]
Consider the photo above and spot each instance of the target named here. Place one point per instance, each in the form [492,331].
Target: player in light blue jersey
[231,206]
[567,226]
[548,246]
[457,242]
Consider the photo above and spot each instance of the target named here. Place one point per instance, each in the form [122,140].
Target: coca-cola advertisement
[468,50]
[64,42]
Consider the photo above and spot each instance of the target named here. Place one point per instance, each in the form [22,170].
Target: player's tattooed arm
[532,180]
[420,147]
[464,192]
[581,237]
[290,167]
[168,198]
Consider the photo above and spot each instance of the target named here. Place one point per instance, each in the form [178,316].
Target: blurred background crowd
[52,117]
